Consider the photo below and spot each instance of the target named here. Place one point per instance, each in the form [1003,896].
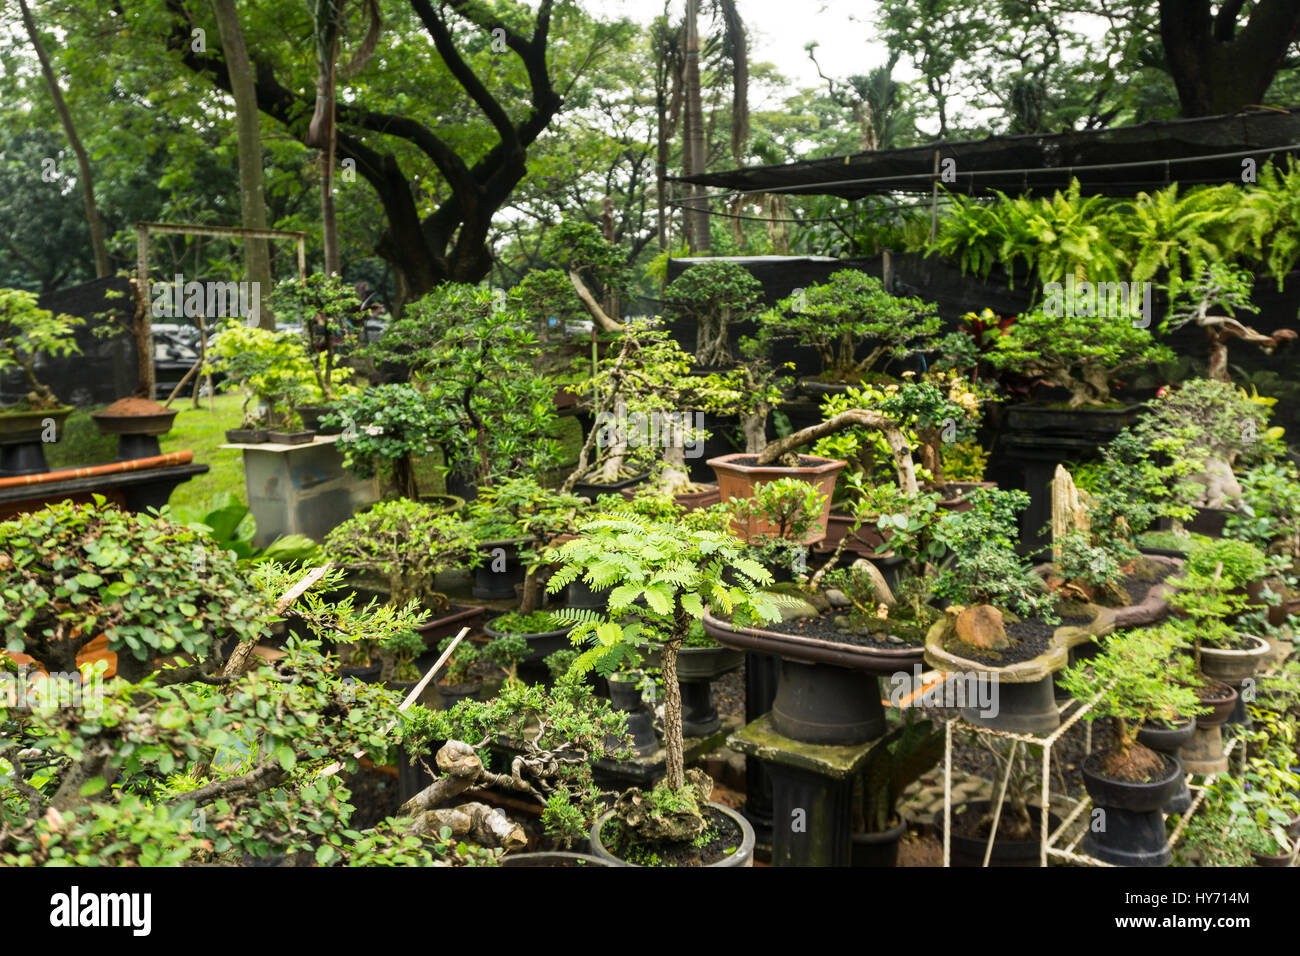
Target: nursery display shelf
[1048,840]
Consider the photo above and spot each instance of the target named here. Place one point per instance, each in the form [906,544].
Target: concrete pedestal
[812,793]
[300,489]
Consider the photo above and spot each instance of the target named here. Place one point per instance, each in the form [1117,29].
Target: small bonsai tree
[776,520]
[557,733]
[983,574]
[1084,354]
[27,333]
[1211,591]
[472,355]
[715,294]
[1204,429]
[406,543]
[752,391]
[590,259]
[674,570]
[272,367]
[848,311]
[387,427]
[1210,301]
[329,311]
[1130,677]
[521,508]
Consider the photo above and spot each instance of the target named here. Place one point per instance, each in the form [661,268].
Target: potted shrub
[471,353]
[848,312]
[1204,430]
[26,334]
[329,311]
[1001,623]
[269,366]
[904,756]
[715,294]
[674,570]
[1211,591]
[405,544]
[385,428]
[513,521]
[1129,782]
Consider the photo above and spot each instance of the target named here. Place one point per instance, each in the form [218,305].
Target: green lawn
[201,431]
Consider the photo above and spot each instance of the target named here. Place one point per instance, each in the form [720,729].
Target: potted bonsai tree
[269,366]
[472,354]
[26,334]
[715,294]
[848,312]
[1204,430]
[328,309]
[673,570]
[385,429]
[405,544]
[1129,782]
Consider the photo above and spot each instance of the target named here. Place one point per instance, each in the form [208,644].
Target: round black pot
[625,697]
[593,490]
[1271,859]
[449,695]
[1022,708]
[500,572]
[969,851]
[311,416]
[1131,828]
[366,675]
[825,704]
[1169,741]
[878,849]
[541,645]
[578,594]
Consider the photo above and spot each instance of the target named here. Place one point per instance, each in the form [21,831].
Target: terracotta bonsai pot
[737,476]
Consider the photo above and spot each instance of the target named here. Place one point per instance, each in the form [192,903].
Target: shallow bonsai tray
[811,650]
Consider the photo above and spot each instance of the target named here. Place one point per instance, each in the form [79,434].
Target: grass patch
[201,431]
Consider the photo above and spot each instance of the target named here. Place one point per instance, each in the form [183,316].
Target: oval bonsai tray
[1035,669]
[1153,607]
[457,616]
[811,650]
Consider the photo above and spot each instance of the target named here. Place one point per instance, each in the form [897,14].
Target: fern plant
[673,571]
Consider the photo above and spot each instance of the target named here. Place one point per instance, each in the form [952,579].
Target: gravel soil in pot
[722,838]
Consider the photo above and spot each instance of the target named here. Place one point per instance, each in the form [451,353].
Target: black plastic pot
[969,851]
[1169,741]
[579,594]
[878,849]
[825,704]
[311,416]
[500,572]
[1131,828]
[593,490]
[541,645]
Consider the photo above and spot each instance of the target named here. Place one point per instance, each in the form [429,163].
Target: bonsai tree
[270,366]
[385,428]
[329,311]
[1270,511]
[521,508]
[1210,301]
[1085,354]
[1130,675]
[983,575]
[27,333]
[674,570]
[715,294]
[1211,591]
[752,390]
[1204,429]
[405,543]
[472,355]
[556,734]
[549,300]
[776,520]
[589,259]
[929,413]
[647,375]
[160,772]
[848,311]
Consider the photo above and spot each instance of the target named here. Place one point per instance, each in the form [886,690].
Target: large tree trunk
[321,132]
[83,160]
[1218,66]
[252,202]
[696,214]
